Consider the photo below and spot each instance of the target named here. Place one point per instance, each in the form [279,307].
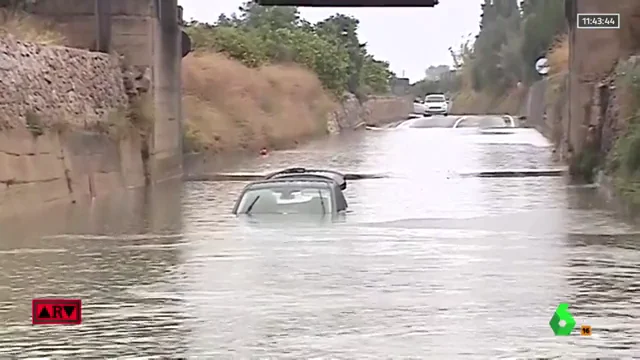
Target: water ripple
[425,265]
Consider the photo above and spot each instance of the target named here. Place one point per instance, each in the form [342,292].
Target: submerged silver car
[295,191]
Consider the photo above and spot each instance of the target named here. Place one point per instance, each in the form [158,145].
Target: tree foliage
[259,35]
[447,82]
[513,36]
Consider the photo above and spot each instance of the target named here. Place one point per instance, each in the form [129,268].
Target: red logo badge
[56,311]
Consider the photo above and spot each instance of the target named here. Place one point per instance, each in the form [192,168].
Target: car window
[435,98]
[286,200]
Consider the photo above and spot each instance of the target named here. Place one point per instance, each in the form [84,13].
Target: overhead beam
[350,3]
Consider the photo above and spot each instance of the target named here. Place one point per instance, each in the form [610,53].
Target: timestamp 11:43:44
[598,21]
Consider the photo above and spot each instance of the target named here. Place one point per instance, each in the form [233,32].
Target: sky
[410,39]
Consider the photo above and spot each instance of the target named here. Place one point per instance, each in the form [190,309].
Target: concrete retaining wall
[59,111]
[376,110]
[53,167]
[534,108]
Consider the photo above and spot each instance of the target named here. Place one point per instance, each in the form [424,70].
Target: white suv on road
[436,104]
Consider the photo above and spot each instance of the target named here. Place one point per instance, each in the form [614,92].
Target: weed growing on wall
[34,123]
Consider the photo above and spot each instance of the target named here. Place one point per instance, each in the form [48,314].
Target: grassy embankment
[469,101]
[278,81]
[229,106]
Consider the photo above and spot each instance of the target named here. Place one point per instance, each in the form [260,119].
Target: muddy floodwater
[426,264]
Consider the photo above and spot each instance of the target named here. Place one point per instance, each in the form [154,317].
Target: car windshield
[289,199]
[435,99]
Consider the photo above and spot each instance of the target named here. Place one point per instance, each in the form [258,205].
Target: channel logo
[562,322]
[56,311]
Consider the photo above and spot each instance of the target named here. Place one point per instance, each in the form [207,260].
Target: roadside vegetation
[492,72]
[260,77]
[231,107]
[258,36]
[623,162]
[265,77]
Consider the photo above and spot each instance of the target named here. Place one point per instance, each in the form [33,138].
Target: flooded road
[426,265]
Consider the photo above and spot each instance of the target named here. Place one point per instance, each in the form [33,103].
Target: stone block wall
[384,109]
[56,104]
[377,110]
[58,85]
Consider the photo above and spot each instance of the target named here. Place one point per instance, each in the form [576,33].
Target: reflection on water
[109,254]
[424,265]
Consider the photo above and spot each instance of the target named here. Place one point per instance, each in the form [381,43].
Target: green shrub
[271,35]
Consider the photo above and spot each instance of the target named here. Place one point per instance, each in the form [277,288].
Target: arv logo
[562,323]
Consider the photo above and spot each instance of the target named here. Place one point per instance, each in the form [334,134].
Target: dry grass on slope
[230,107]
[29,28]
[558,56]
[471,102]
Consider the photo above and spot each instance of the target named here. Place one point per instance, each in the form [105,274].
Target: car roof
[316,182]
[435,95]
[279,182]
[318,174]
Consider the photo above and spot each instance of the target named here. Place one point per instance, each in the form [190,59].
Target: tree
[507,8]
[376,76]
[543,21]
[269,17]
[344,29]
[512,37]
[260,35]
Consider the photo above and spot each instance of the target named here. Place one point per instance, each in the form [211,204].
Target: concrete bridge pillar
[148,34]
[166,147]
